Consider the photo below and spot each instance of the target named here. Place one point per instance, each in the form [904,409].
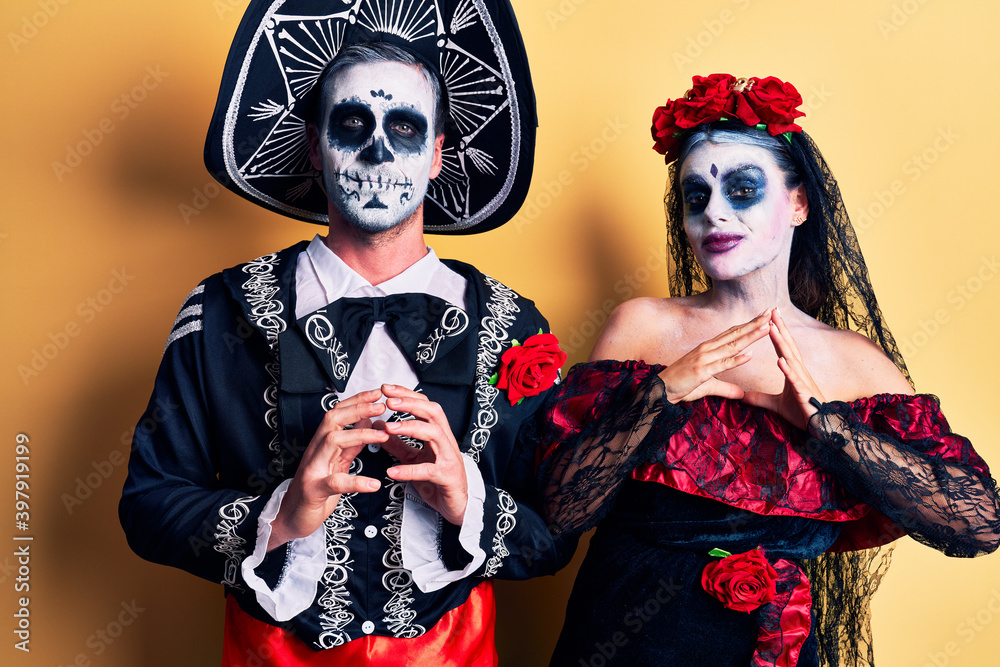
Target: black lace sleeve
[606,418]
[900,457]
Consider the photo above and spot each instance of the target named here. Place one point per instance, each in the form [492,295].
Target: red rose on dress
[530,368]
[742,582]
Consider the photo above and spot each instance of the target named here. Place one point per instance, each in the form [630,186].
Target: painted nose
[376,152]
[718,208]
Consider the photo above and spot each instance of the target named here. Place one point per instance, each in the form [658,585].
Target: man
[347,529]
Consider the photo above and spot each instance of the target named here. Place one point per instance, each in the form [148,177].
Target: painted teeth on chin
[377,183]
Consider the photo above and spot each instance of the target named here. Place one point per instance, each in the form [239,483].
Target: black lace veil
[827,280]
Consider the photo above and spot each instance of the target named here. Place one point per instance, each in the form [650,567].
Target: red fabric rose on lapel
[742,582]
[530,368]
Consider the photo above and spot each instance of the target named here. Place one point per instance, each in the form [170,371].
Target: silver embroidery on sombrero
[479,93]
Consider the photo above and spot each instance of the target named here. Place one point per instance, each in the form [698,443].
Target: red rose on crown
[769,101]
[530,368]
[706,99]
[775,102]
[742,582]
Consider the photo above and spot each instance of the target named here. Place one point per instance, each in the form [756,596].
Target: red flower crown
[767,103]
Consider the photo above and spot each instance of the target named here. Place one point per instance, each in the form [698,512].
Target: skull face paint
[377,144]
[737,211]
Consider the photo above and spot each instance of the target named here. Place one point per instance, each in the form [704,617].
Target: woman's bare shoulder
[638,326]
[861,368]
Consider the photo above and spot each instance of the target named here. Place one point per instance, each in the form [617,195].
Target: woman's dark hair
[827,276]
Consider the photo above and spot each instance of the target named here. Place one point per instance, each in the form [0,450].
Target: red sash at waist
[463,636]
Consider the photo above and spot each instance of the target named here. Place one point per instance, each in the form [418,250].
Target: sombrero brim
[256,143]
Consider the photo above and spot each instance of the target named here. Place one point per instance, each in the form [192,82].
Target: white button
[370,531]
[374,447]
[367,627]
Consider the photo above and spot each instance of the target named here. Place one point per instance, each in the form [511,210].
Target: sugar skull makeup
[738,213]
[376,143]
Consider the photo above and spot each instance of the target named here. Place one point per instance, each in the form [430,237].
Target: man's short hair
[375,52]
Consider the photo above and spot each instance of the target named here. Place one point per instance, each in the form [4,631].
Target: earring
[799,219]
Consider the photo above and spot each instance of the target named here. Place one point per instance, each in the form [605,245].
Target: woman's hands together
[793,401]
[693,375]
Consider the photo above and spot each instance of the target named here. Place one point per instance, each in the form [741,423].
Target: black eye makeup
[744,186]
[406,129]
[696,194]
[351,124]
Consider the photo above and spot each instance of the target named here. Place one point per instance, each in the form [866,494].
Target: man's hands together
[437,470]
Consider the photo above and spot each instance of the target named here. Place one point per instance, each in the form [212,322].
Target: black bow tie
[433,334]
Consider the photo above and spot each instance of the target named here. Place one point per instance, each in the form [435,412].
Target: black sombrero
[256,142]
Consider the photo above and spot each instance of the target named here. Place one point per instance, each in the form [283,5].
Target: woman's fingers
[742,335]
[715,387]
[684,379]
[802,384]
[728,350]
[785,343]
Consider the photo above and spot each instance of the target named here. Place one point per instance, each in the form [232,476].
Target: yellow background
[886,83]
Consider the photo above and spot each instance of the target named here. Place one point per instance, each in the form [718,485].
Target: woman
[717,464]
